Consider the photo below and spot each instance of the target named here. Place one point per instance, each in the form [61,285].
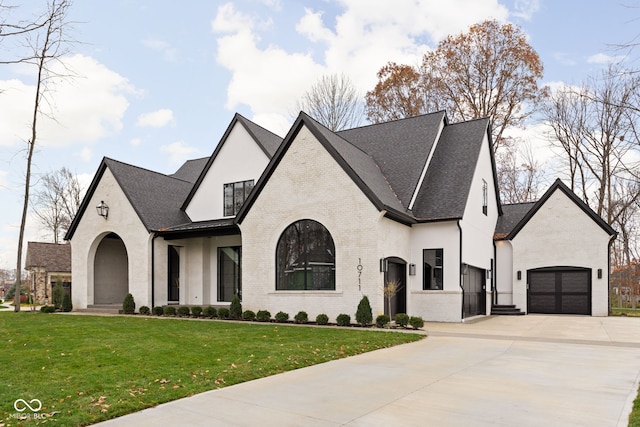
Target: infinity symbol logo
[27,405]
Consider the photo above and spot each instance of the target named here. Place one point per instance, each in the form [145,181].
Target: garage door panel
[560,291]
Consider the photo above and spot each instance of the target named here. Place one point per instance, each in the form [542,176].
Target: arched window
[305,258]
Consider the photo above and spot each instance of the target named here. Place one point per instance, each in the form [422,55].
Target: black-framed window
[432,273]
[229,273]
[305,258]
[485,196]
[235,194]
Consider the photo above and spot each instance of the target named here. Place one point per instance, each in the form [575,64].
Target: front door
[395,285]
[229,275]
[174,275]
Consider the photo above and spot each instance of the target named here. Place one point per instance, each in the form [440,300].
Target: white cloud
[3,179]
[179,152]
[362,38]
[85,154]
[87,107]
[136,142]
[155,119]
[602,58]
[168,52]
[525,9]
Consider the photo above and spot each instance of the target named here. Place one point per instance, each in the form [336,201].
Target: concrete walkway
[501,371]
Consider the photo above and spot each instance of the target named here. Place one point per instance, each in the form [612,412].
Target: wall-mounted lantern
[519,275]
[599,273]
[103,209]
[384,265]
[412,269]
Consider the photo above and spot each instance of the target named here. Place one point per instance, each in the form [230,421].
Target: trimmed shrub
[301,317]
[196,311]
[248,315]
[416,322]
[183,311]
[48,309]
[402,319]
[382,321]
[223,313]
[144,310]
[363,314]
[170,311]
[57,294]
[322,319]
[343,320]
[210,312]
[129,305]
[235,309]
[67,306]
[158,311]
[282,317]
[263,316]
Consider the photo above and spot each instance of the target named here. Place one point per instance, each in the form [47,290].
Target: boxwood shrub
[343,320]
[382,320]
[128,305]
[48,309]
[248,315]
[223,313]
[282,317]
[416,322]
[210,312]
[144,309]
[170,311]
[183,311]
[263,316]
[196,311]
[301,317]
[402,319]
[322,319]
[157,311]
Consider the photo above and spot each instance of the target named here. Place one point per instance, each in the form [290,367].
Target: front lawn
[85,369]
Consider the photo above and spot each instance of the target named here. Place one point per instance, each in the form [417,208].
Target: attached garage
[559,290]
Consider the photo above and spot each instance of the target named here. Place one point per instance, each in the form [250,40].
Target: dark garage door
[559,291]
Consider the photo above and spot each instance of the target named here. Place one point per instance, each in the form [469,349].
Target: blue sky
[156,83]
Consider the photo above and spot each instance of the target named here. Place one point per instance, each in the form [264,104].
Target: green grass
[629,312]
[86,369]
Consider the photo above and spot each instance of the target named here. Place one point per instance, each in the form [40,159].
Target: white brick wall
[309,184]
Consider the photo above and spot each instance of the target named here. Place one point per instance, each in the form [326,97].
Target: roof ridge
[257,125]
[337,134]
[109,159]
[393,121]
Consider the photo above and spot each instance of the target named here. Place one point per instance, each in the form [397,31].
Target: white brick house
[318,219]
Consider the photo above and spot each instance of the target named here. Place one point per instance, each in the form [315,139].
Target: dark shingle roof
[50,256]
[267,140]
[445,189]
[400,149]
[154,196]
[191,170]
[511,216]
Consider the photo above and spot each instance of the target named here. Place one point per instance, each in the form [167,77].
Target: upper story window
[305,258]
[234,196]
[485,196]
[432,272]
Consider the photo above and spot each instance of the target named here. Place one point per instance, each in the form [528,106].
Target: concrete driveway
[501,371]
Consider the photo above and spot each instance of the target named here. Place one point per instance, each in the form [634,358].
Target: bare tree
[57,200]
[47,44]
[519,174]
[334,102]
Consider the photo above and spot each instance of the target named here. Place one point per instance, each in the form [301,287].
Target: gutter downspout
[494,281]
[153,270]
[611,239]
[460,273]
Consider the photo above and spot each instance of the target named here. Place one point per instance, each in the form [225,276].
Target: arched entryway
[110,271]
[395,275]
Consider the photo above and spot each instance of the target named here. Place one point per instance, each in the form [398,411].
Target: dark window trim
[485,196]
[238,197]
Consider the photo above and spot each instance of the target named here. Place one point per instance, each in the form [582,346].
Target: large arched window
[305,258]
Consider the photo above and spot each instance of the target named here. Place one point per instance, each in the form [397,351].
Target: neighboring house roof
[558,185]
[53,257]
[267,141]
[445,189]
[191,169]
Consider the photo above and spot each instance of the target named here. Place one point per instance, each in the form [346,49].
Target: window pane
[238,196]
[229,273]
[432,269]
[305,258]
[228,199]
